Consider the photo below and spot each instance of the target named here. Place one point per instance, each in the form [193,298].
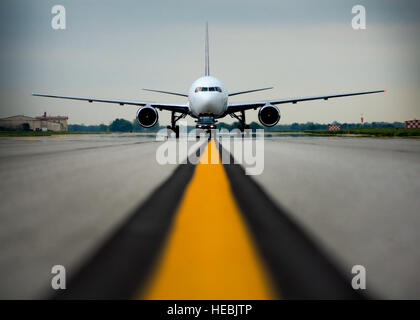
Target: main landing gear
[173,126]
[241,118]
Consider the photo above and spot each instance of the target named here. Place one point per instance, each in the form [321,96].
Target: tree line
[118,125]
[122,125]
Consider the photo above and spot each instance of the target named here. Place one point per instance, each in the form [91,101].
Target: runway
[69,199]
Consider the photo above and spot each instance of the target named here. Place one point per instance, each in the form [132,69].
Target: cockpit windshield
[198,89]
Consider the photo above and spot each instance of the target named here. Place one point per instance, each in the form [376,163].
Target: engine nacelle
[147,116]
[269,115]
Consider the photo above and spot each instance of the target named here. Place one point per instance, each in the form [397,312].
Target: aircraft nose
[207,103]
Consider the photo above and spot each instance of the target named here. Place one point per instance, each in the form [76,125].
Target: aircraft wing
[176,107]
[242,106]
[167,92]
[247,91]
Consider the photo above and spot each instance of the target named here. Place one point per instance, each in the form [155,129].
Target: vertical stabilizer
[207,71]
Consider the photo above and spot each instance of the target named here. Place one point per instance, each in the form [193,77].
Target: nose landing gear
[207,123]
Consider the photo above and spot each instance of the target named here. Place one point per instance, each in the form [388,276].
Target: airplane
[208,101]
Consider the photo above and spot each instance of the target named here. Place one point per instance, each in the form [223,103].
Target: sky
[113,49]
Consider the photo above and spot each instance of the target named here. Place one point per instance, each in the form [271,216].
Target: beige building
[44,123]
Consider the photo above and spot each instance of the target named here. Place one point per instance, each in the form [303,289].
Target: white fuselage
[208,96]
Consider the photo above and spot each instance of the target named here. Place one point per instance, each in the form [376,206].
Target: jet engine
[269,115]
[147,116]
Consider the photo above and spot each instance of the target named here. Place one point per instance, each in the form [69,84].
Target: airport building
[40,123]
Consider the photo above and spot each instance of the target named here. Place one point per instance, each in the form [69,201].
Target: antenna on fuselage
[207,71]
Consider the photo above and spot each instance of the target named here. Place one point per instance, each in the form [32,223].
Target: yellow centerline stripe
[209,253]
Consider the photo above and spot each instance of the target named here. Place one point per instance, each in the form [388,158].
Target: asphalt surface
[360,197]
[61,196]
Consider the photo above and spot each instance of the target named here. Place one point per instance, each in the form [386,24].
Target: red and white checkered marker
[412,124]
[334,127]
